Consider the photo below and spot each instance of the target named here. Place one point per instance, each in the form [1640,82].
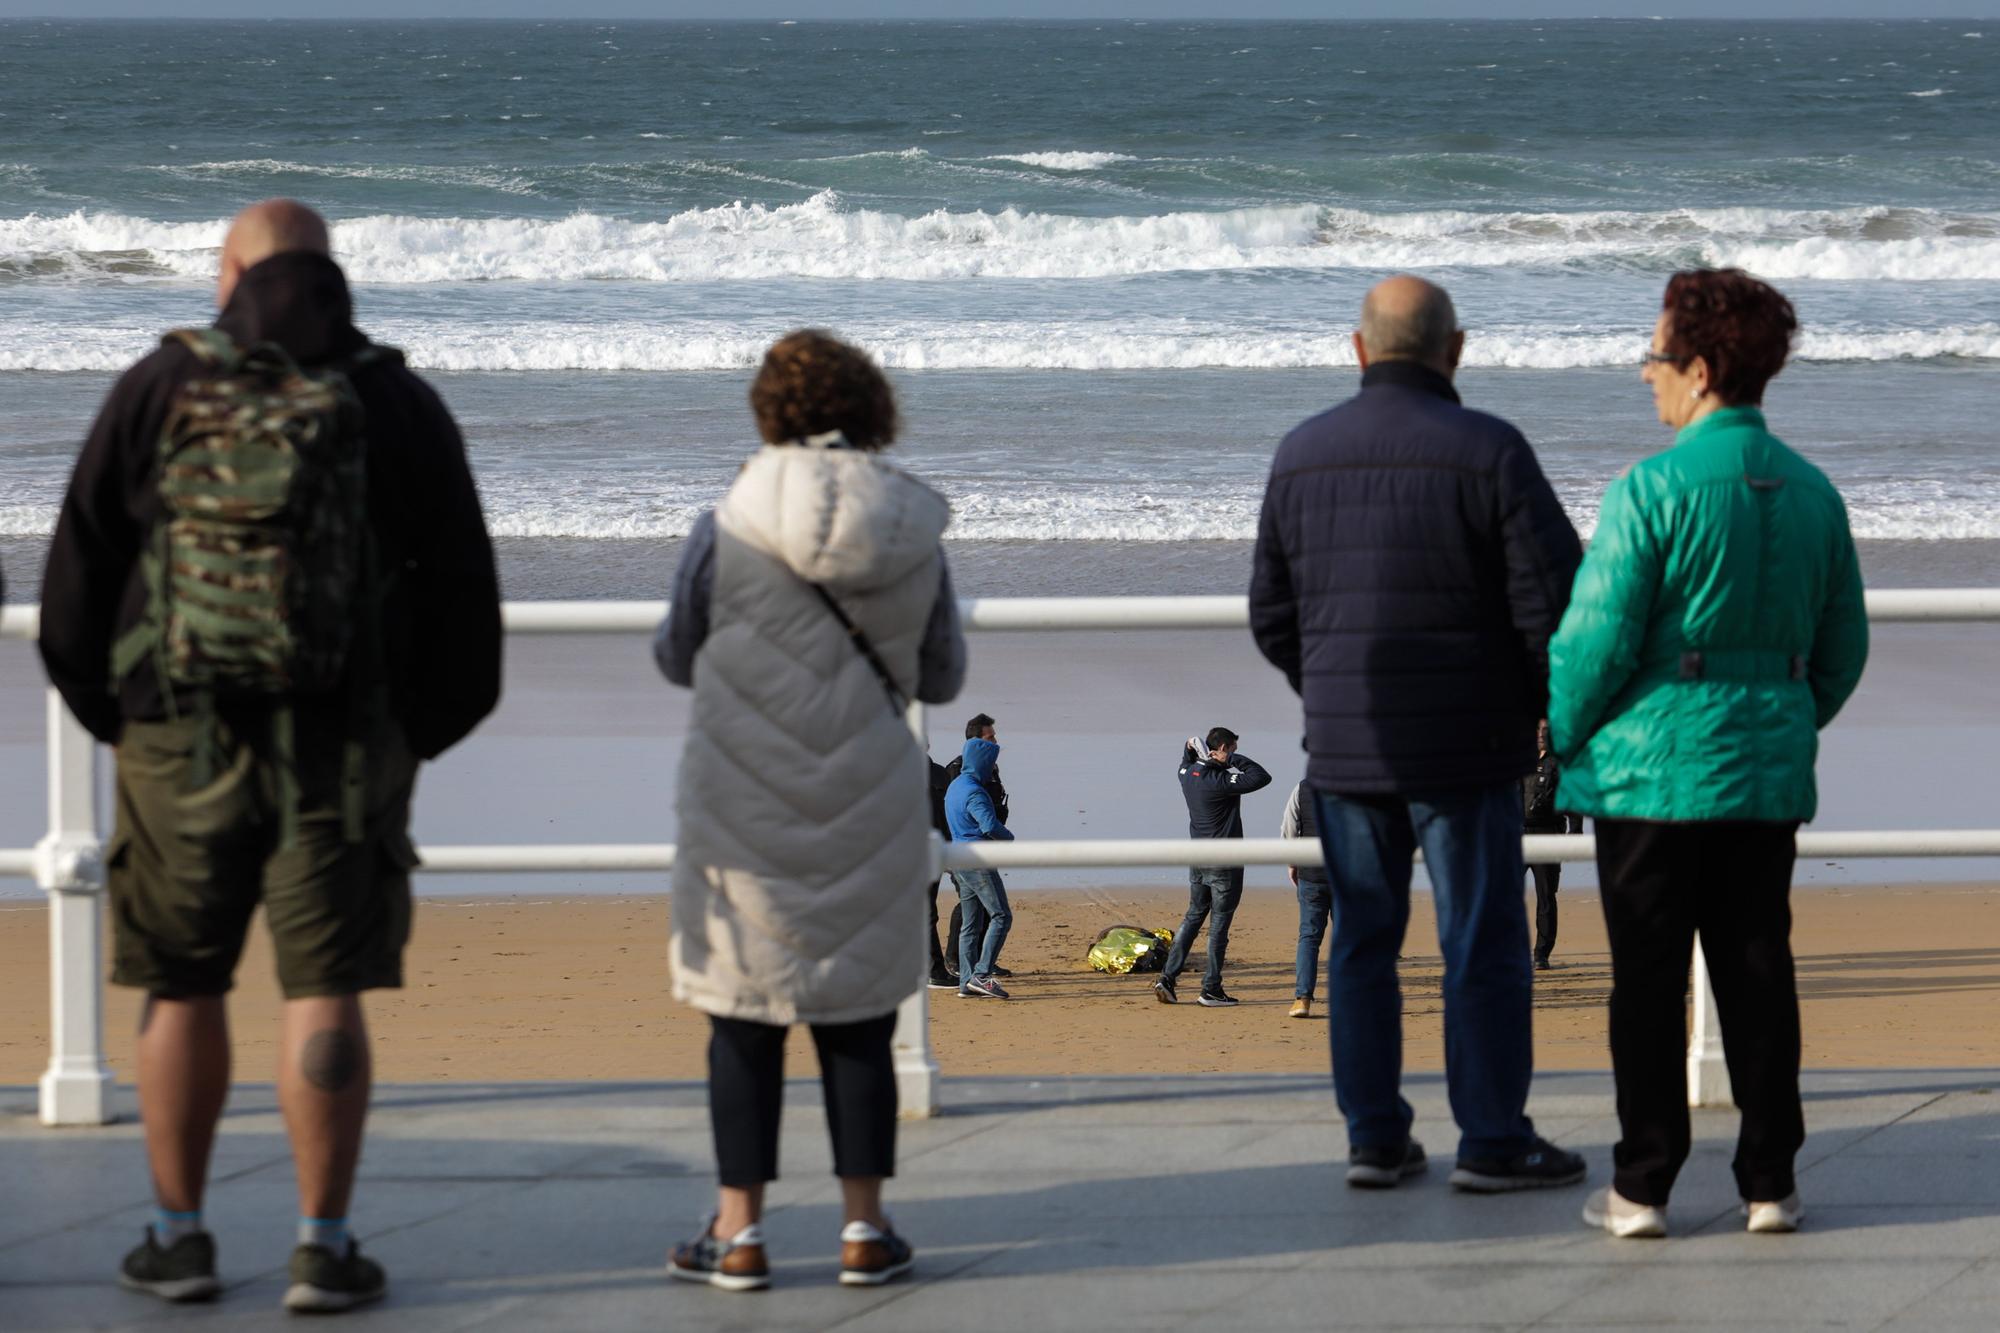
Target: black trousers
[1547,877]
[746,1096]
[943,960]
[1730,881]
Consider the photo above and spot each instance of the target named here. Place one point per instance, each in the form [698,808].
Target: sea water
[1108,264]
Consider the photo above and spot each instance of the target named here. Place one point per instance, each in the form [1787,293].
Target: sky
[967,9]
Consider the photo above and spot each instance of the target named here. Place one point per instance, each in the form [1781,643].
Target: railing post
[1708,1075]
[916,1070]
[69,866]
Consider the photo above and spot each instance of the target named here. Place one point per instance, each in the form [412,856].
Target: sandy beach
[575,988]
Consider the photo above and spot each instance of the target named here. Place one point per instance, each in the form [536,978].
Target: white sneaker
[1775,1219]
[1613,1212]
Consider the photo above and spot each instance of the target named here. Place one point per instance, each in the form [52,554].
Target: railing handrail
[990,614]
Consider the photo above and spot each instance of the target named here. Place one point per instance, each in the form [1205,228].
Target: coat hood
[979,759]
[833,514]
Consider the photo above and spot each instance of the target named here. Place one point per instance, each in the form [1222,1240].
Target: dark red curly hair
[811,382]
[1742,327]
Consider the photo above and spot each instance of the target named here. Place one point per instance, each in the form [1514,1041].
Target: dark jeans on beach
[1211,890]
[1471,841]
[1547,877]
[1315,908]
[1729,881]
[746,1096]
[988,918]
[940,962]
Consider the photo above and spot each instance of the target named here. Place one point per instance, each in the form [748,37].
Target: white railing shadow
[67,863]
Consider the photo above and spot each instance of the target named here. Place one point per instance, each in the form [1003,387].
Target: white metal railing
[67,862]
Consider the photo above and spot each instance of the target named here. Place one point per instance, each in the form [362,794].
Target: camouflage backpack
[260,574]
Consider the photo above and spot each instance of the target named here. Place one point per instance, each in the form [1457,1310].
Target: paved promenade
[1096,1204]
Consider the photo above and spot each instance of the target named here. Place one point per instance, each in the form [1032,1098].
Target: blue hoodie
[967,807]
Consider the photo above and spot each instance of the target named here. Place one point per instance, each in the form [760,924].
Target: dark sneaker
[736,1264]
[1541,962]
[987,987]
[1000,971]
[1542,1166]
[326,1283]
[942,981]
[183,1271]
[870,1256]
[1216,999]
[1384,1168]
[1163,991]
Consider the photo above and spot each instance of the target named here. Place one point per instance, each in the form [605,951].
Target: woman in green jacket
[1715,627]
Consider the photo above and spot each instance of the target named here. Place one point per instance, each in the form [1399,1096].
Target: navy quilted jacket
[1411,564]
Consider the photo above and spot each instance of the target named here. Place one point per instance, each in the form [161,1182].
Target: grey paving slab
[1204,1203]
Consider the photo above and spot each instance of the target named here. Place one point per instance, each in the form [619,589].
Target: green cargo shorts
[188,864]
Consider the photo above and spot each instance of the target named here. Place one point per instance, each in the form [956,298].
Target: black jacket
[1538,801]
[442,618]
[1214,792]
[1411,564]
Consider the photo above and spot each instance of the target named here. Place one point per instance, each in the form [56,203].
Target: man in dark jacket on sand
[1539,815]
[1214,780]
[297,801]
[1411,564]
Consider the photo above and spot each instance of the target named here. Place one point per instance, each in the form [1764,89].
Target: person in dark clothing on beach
[1411,563]
[234,796]
[979,728]
[1539,815]
[1214,780]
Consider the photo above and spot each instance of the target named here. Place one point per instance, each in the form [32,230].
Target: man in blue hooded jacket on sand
[969,810]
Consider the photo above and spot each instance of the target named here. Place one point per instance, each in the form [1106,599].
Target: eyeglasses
[1663,359]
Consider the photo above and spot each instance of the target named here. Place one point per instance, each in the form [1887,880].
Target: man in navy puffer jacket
[1411,564]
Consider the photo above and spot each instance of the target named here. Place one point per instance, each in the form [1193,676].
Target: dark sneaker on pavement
[1216,999]
[1383,1168]
[326,1283]
[987,987]
[1163,991]
[1541,1166]
[183,1271]
[736,1264]
[870,1256]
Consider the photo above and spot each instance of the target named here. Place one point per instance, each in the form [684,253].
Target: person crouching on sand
[1715,627]
[809,605]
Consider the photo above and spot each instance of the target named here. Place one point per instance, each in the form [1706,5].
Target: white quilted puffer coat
[804,816]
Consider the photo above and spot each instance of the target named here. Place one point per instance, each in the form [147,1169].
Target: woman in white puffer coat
[809,605]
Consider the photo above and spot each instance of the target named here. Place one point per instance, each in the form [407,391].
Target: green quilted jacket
[1715,627]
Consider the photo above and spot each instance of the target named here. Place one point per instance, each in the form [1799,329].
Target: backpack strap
[215,348]
[865,648]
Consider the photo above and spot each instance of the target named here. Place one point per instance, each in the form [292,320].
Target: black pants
[1547,877]
[746,1095]
[942,961]
[1730,881]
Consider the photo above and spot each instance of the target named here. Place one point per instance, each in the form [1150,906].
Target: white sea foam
[1065,161]
[613,345]
[821,238]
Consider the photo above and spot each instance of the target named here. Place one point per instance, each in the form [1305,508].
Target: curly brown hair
[811,382]
[1742,327]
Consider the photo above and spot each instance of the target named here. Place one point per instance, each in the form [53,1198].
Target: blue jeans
[1315,906]
[983,899]
[1472,849]
[1211,889]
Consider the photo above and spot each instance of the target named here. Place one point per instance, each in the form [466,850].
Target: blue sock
[326,1232]
[170,1226]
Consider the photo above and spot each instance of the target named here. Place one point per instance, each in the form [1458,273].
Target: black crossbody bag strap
[866,649]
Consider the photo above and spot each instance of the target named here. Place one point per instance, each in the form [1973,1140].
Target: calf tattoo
[331,1060]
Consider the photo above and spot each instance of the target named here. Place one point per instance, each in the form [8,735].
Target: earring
[1694,395]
